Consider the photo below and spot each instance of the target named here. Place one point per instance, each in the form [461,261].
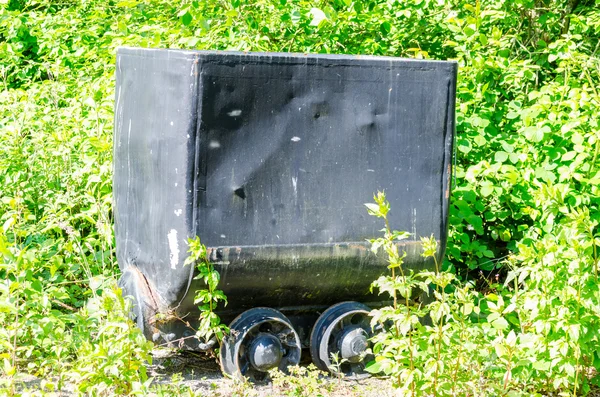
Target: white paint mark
[176,171]
[223,236]
[296,139]
[299,109]
[295,185]
[370,170]
[414,222]
[120,111]
[118,96]
[235,113]
[171,123]
[214,144]
[178,212]
[188,136]
[176,184]
[173,248]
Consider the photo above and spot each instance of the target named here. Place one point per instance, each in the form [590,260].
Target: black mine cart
[269,158]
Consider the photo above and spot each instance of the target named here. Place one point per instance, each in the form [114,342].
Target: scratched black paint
[269,158]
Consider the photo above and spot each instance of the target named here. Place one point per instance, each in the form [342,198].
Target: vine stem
[595,253]
[394,296]
[579,353]
[455,375]
[14,352]
[440,332]
[408,312]
[410,338]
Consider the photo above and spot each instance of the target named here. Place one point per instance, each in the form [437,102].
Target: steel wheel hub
[353,343]
[265,352]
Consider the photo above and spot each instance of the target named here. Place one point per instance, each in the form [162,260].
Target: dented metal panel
[269,158]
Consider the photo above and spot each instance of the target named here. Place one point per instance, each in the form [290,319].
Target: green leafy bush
[536,335]
[112,353]
[208,299]
[525,192]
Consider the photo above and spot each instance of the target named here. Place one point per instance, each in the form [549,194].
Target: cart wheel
[343,330]
[260,339]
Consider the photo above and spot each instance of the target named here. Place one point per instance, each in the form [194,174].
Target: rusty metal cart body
[269,158]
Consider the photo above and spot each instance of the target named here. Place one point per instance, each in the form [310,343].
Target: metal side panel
[269,158]
[294,146]
[154,164]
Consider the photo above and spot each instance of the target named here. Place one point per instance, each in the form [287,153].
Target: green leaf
[296,16]
[569,156]
[477,223]
[6,307]
[534,134]
[500,157]
[507,147]
[504,53]
[374,367]
[463,145]
[385,28]
[469,31]
[186,18]
[541,365]
[487,189]
[8,223]
[213,280]
[577,139]
[122,27]
[500,324]
[318,16]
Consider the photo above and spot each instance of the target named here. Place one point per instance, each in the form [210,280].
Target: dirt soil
[202,374]
[184,370]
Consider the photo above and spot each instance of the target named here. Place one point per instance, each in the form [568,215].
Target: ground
[174,371]
[201,373]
